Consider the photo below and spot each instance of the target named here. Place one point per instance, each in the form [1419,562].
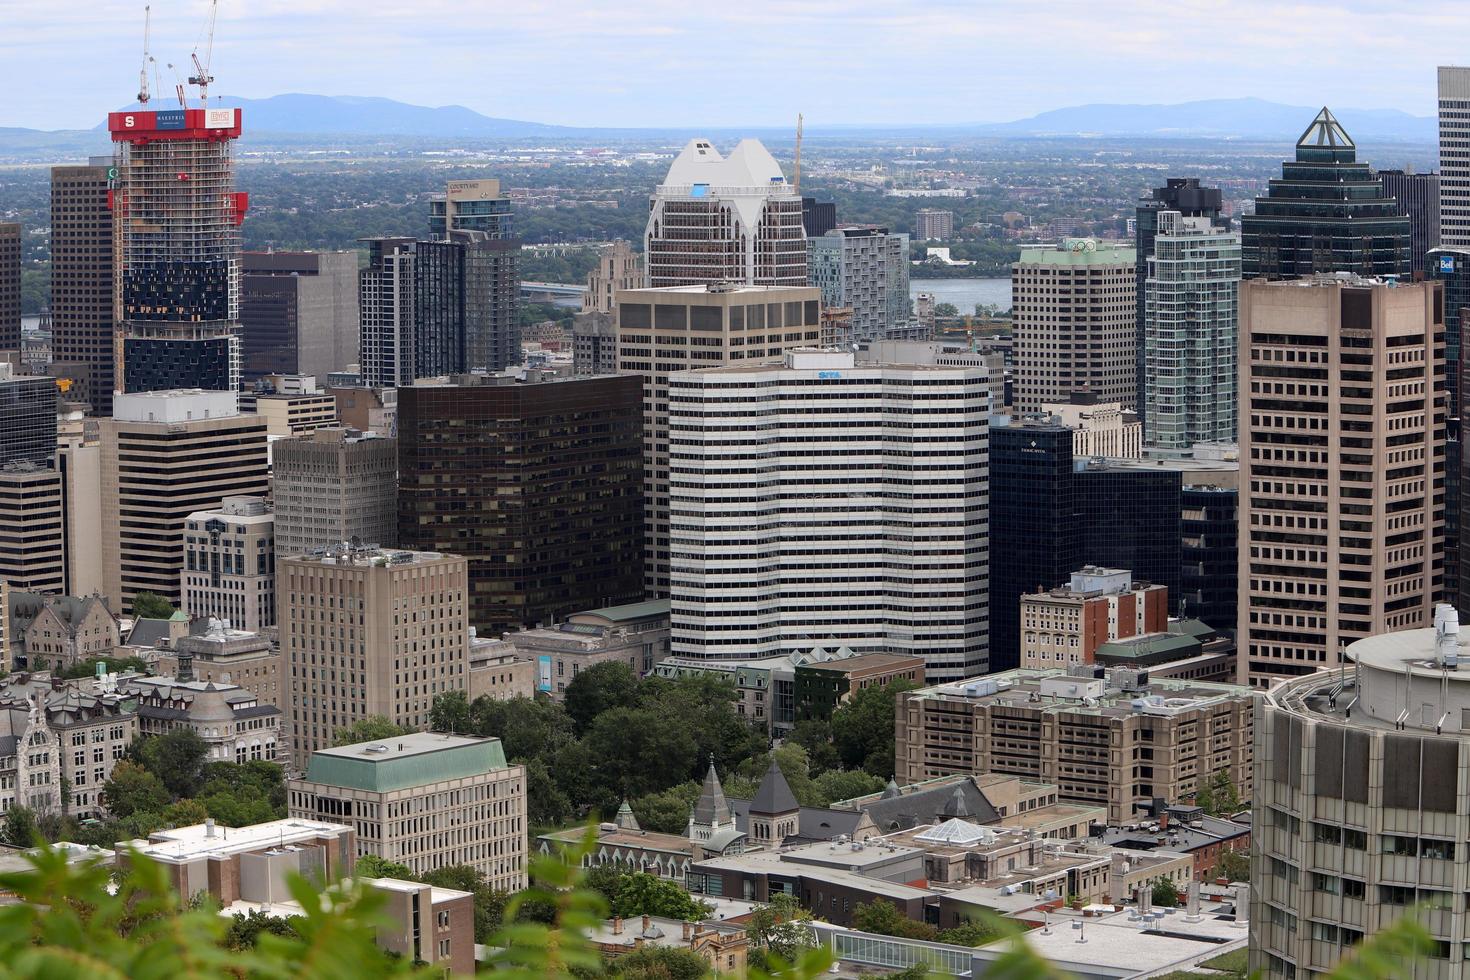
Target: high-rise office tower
[1342,447]
[1454,157]
[1418,197]
[1129,517]
[387,308]
[9,285]
[32,542]
[661,331]
[1075,327]
[538,484]
[1325,213]
[369,632]
[725,219]
[617,268]
[178,219]
[230,564]
[1450,266]
[1356,814]
[863,268]
[818,217]
[82,286]
[166,454]
[332,486]
[27,417]
[1182,194]
[934,225]
[298,313]
[1191,315]
[884,554]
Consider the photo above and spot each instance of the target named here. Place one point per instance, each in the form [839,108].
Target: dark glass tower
[1325,213]
[1182,194]
[1034,537]
[1451,266]
[1210,550]
[1130,518]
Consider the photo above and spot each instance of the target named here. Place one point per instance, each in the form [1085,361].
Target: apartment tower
[725,219]
[863,268]
[1342,455]
[661,331]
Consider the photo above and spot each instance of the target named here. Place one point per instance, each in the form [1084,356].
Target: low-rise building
[1184,829]
[636,634]
[722,945]
[496,672]
[231,720]
[93,731]
[424,800]
[1066,625]
[1100,429]
[821,687]
[230,563]
[216,653]
[1189,650]
[1117,739]
[59,630]
[290,404]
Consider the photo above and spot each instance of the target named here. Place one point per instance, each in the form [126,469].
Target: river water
[965,293]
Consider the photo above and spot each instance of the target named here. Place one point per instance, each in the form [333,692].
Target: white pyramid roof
[957,831]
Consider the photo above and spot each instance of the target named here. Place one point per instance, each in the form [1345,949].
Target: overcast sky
[740,62]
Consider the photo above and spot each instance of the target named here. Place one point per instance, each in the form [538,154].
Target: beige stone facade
[230,564]
[1342,456]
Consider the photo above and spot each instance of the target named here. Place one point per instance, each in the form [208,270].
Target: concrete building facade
[298,313]
[864,268]
[1066,625]
[333,485]
[230,564]
[1454,156]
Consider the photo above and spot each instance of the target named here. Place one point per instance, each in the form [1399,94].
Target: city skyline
[1009,63]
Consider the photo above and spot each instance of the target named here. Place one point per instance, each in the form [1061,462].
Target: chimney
[688,930]
[1164,820]
[617,925]
[646,923]
[209,826]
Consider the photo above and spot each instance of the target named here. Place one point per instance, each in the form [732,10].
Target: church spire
[712,810]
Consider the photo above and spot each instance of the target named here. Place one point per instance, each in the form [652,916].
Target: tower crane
[201,76]
[143,71]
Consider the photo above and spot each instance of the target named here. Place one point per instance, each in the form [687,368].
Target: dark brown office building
[539,484]
[298,313]
[82,290]
[9,286]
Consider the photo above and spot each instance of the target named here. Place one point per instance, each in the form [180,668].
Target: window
[1326,883]
[1400,846]
[443,919]
[443,948]
[1353,889]
[1395,895]
[1440,850]
[1356,839]
[1326,833]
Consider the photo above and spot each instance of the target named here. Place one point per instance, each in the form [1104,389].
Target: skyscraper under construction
[177,217]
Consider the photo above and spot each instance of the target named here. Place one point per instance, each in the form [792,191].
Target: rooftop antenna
[201,76]
[798,153]
[143,71]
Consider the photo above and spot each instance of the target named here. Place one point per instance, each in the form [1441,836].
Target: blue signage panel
[1446,263]
[169,119]
[543,673]
[829,375]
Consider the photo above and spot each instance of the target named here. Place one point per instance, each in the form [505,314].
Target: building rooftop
[868,661]
[206,839]
[175,406]
[404,761]
[717,289]
[1056,690]
[631,612]
[369,555]
[1078,251]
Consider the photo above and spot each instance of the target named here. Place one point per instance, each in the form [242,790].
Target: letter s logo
[128,121]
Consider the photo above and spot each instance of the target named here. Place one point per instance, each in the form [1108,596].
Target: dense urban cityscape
[437,548]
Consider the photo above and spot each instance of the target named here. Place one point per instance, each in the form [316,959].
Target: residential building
[1191,322]
[298,313]
[177,220]
[1066,625]
[165,455]
[636,634]
[1189,199]
[1454,156]
[387,308]
[898,571]
[348,651]
[1326,213]
[863,268]
[817,217]
[427,801]
[58,630]
[232,721]
[32,538]
[83,290]
[334,485]
[1418,199]
[933,225]
[472,205]
[661,331]
[1064,727]
[230,564]
[1342,457]
[728,219]
[537,483]
[1355,817]
[9,285]
[821,687]
[479,221]
[617,268]
[1100,429]
[1074,311]
[466,296]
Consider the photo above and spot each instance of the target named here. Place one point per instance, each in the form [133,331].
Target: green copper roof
[407,760]
[632,611]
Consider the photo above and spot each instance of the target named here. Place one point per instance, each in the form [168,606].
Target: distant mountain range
[296,118]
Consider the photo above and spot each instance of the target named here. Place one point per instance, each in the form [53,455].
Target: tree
[546,804]
[1165,893]
[778,933]
[373,728]
[885,918]
[643,894]
[666,812]
[971,933]
[134,790]
[815,735]
[1233,866]
[373,866]
[450,712]
[601,687]
[1218,797]
[660,963]
[862,729]
[185,813]
[946,309]
[245,930]
[176,757]
[844,784]
[151,605]
[20,827]
[116,665]
[791,759]
[641,750]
